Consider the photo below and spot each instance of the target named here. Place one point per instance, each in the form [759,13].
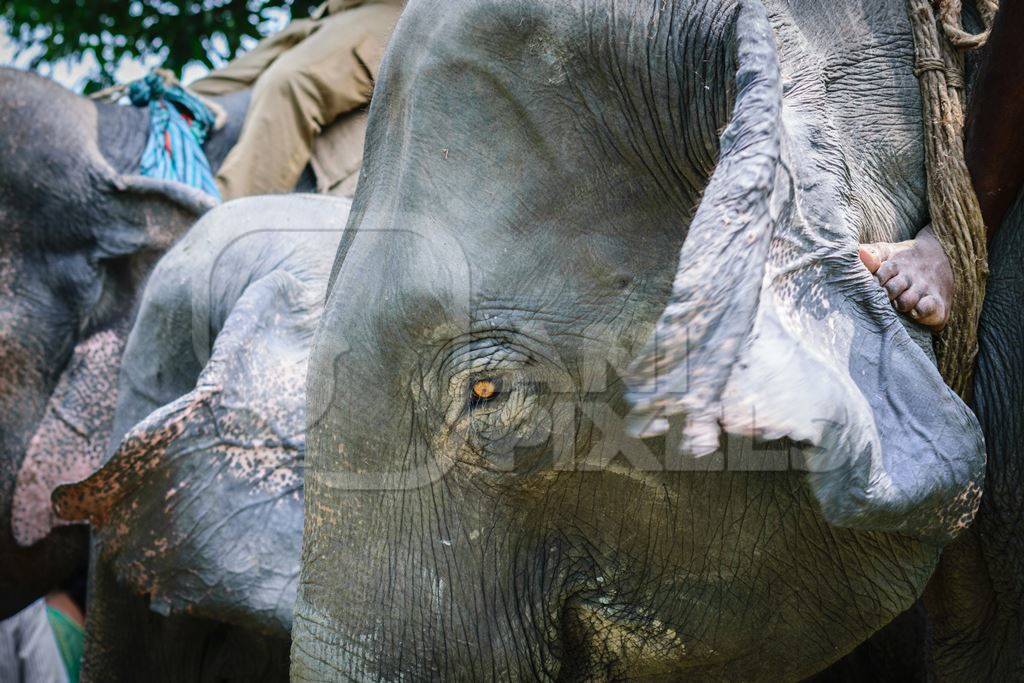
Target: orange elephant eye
[485,389]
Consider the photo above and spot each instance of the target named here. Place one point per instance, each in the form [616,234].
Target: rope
[111,94]
[179,124]
[949,17]
[162,85]
[114,93]
[955,214]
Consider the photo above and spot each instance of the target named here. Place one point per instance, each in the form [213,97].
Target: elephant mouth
[635,644]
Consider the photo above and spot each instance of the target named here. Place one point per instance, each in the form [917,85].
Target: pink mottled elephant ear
[136,215]
[200,507]
[71,439]
[775,330]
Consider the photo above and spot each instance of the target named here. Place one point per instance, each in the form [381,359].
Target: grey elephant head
[77,239]
[563,424]
[197,513]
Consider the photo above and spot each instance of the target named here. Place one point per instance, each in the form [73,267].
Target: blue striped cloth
[174,150]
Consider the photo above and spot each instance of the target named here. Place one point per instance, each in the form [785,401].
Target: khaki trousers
[303,79]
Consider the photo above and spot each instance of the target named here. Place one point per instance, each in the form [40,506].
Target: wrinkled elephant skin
[565,425]
[197,514]
[77,235]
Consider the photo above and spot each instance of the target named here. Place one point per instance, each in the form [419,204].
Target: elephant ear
[774,329]
[135,215]
[201,505]
[146,214]
[71,439]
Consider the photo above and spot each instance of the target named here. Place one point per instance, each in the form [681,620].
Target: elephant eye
[484,390]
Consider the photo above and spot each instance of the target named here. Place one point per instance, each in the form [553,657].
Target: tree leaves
[178,31]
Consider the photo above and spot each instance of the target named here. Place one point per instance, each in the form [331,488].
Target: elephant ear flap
[774,330]
[147,214]
[685,364]
[200,508]
[71,439]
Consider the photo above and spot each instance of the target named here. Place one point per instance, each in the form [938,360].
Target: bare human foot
[915,274]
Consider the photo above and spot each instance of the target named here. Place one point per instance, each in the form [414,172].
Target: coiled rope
[955,214]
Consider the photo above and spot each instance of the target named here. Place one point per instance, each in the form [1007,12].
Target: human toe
[886,272]
[874,254]
[931,311]
[909,299]
[897,285]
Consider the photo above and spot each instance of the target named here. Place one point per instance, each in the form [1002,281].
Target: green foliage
[179,31]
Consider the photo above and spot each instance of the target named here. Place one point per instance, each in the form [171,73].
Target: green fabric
[70,641]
